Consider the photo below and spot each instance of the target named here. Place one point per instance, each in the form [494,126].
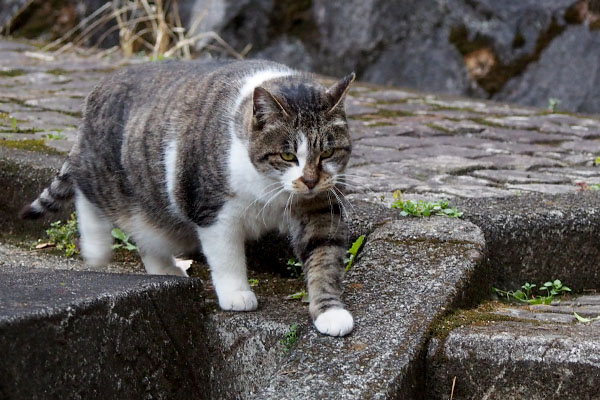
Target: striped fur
[190,155]
[53,197]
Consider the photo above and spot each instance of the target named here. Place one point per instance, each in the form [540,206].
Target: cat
[190,155]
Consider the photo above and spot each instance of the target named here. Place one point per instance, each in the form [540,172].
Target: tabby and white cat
[182,155]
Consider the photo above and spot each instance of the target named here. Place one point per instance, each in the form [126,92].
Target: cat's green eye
[327,153]
[288,156]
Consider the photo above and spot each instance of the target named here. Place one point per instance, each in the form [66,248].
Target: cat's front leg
[320,243]
[223,246]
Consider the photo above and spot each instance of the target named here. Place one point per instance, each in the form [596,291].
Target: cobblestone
[403,140]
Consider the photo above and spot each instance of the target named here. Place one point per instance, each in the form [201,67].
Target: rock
[9,9]
[515,360]
[522,51]
[568,70]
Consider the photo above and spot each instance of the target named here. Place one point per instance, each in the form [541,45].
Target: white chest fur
[260,204]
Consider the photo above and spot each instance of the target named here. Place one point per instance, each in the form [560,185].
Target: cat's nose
[310,182]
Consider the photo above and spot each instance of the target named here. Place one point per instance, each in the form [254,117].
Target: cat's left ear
[265,104]
[338,91]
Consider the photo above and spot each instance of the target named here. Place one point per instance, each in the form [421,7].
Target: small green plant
[302,296]
[56,136]
[597,161]
[122,240]
[424,208]
[584,319]
[526,295]
[353,251]
[295,268]
[553,103]
[253,282]
[64,235]
[290,338]
[13,124]
[595,186]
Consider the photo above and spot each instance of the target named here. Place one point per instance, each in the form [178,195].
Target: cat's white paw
[241,300]
[335,322]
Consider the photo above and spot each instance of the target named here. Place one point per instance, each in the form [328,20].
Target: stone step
[103,336]
[537,354]
[83,323]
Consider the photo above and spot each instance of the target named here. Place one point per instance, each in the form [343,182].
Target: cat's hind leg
[154,247]
[94,229]
[223,246]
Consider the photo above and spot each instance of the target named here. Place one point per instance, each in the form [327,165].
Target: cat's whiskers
[331,213]
[350,183]
[267,204]
[357,188]
[345,198]
[340,202]
[264,194]
[289,202]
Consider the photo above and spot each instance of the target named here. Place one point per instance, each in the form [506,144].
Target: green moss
[438,127]
[394,113]
[12,73]
[37,145]
[483,121]
[482,315]
[382,113]
[398,101]
[380,123]
[57,71]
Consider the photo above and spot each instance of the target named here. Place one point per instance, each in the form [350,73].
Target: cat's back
[141,116]
[148,82]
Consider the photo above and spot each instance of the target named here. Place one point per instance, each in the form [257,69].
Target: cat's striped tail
[53,197]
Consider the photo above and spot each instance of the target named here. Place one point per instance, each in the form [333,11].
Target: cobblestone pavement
[427,145]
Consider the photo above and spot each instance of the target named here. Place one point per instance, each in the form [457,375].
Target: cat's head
[300,134]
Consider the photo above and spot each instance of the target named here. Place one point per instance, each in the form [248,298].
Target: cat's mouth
[310,191]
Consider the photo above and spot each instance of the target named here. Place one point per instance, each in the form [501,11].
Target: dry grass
[151,27]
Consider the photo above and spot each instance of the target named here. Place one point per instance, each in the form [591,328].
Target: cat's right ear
[266,106]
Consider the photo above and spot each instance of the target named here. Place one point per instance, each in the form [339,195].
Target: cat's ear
[265,105]
[338,91]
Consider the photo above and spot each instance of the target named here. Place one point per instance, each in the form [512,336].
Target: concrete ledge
[534,238]
[69,334]
[515,360]
[407,273]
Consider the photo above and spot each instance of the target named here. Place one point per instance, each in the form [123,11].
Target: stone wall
[523,51]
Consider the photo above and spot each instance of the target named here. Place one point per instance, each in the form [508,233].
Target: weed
[56,136]
[290,338]
[353,251]
[553,103]
[122,240]
[64,235]
[295,268]
[597,161]
[551,289]
[302,296]
[584,186]
[584,319]
[424,208]
[155,26]
[253,282]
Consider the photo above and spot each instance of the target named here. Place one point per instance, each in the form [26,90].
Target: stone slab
[429,261]
[66,334]
[535,238]
[515,360]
